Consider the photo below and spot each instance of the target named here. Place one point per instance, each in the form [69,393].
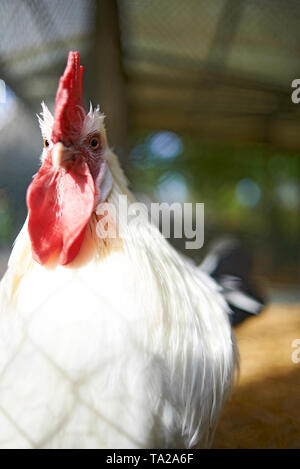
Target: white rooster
[104,343]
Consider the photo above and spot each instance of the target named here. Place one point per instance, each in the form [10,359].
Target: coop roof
[219,69]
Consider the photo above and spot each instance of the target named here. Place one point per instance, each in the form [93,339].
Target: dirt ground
[265,408]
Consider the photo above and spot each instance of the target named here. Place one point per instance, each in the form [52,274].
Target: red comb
[69,111]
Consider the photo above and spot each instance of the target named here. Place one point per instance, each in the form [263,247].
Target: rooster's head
[74,176]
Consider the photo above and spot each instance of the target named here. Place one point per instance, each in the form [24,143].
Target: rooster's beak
[60,154]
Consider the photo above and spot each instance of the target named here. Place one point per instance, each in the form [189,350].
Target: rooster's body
[123,345]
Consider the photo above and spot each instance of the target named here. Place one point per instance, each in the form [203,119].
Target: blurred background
[198,102]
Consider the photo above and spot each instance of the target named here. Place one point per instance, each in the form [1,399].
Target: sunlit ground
[265,409]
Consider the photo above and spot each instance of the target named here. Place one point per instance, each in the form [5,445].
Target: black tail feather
[230,263]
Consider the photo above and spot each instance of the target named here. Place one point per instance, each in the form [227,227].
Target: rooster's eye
[94,142]
[46,143]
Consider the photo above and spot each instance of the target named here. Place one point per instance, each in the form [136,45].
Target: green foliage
[5,218]
[212,172]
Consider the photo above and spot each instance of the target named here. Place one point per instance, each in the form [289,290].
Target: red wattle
[60,204]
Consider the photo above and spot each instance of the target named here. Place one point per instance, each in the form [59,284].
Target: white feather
[46,122]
